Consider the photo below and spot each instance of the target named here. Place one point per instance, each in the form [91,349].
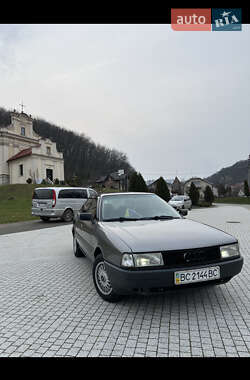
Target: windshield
[177,198]
[135,207]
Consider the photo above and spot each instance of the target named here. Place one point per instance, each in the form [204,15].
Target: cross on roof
[22,105]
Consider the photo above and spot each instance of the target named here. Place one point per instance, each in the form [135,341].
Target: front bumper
[126,281]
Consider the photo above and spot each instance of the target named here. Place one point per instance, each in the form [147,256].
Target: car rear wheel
[76,249]
[68,215]
[102,282]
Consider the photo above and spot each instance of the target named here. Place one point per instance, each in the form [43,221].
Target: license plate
[197,275]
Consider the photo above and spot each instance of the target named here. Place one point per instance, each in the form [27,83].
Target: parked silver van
[59,202]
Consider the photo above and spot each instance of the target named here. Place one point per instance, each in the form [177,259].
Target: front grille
[191,257]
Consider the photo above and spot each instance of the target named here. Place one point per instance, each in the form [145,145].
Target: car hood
[163,235]
[175,202]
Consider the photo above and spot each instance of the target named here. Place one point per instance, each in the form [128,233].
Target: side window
[90,206]
[65,194]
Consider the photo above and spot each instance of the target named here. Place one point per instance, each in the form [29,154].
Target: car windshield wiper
[159,217]
[120,219]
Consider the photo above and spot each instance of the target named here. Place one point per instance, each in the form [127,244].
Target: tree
[137,183]
[221,190]
[133,182]
[208,195]
[246,189]
[162,189]
[229,191]
[194,194]
[142,184]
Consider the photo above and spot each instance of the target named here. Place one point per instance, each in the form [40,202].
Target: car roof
[127,193]
[62,188]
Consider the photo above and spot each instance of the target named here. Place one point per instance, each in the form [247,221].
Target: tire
[226,280]
[102,283]
[45,218]
[76,249]
[68,215]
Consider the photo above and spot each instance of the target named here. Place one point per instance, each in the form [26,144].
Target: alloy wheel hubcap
[102,279]
[68,216]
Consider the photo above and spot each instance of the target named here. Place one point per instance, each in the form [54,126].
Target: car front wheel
[102,282]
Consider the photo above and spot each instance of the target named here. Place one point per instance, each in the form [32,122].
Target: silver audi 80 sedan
[140,244]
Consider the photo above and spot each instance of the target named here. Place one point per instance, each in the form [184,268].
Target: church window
[48,150]
[21,170]
[22,131]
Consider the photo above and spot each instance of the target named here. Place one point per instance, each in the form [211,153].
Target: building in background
[117,181]
[201,185]
[24,154]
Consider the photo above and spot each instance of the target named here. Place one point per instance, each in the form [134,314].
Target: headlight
[227,251]
[148,259]
[142,259]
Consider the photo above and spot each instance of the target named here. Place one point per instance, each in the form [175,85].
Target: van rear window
[42,194]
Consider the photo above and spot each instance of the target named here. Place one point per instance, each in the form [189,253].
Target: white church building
[24,154]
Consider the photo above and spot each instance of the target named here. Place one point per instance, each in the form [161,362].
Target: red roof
[22,153]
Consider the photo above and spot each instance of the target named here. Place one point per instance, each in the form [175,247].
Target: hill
[82,157]
[230,175]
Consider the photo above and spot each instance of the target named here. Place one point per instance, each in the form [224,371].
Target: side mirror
[183,212]
[86,217]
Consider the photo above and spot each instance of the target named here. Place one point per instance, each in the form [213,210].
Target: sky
[177,103]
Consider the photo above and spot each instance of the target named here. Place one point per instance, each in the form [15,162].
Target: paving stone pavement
[49,307]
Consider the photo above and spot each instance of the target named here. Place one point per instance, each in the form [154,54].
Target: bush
[204,203]
[56,181]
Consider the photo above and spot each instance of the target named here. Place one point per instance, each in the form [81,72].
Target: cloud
[168,99]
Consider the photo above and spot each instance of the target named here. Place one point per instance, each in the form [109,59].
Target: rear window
[76,194]
[42,194]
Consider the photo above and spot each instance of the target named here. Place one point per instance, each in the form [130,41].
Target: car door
[86,229]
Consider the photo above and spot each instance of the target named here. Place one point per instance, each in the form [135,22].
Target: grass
[234,200]
[15,202]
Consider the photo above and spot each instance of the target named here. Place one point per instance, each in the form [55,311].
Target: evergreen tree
[208,195]
[221,190]
[142,184]
[133,182]
[246,189]
[162,189]
[229,191]
[194,194]
[137,183]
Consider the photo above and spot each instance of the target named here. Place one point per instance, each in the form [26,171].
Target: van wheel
[76,249]
[101,281]
[45,218]
[68,215]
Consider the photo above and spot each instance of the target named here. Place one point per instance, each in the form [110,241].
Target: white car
[181,202]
